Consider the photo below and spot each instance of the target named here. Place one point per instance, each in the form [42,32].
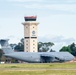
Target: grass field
[38,69]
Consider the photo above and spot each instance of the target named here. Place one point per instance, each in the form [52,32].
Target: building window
[26,44]
[26,47]
[33,40]
[33,44]
[33,47]
[26,40]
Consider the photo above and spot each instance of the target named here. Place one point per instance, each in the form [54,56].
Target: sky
[57,20]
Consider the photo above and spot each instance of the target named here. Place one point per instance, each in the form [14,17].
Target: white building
[30,34]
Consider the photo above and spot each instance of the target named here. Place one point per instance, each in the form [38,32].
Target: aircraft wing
[46,55]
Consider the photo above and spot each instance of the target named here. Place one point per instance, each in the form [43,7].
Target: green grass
[40,65]
[46,72]
[38,69]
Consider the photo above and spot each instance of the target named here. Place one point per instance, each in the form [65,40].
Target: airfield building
[30,34]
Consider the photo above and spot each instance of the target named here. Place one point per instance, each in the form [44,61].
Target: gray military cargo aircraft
[35,57]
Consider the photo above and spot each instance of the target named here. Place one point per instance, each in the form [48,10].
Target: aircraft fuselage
[41,57]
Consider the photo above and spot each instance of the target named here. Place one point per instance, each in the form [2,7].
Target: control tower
[30,34]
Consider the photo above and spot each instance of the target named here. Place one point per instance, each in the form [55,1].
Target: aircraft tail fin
[5,46]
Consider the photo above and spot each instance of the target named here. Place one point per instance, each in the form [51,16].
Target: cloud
[47,1]
[13,39]
[55,6]
[52,8]
[59,41]
[65,8]
[25,0]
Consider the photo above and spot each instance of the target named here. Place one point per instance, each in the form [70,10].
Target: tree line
[43,47]
[70,48]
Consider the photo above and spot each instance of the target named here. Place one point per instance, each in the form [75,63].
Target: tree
[20,46]
[1,52]
[13,45]
[65,49]
[70,48]
[40,44]
[73,49]
[43,47]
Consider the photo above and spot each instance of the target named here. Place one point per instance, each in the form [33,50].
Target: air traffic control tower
[30,34]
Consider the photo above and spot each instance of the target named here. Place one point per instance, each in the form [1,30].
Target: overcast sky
[57,20]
